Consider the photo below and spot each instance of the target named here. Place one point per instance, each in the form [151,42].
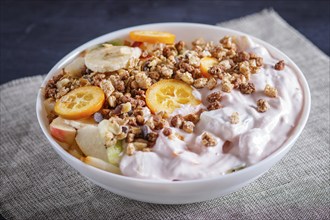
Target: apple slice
[61,131]
[90,142]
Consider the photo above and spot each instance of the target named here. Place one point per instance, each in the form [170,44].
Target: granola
[153,94]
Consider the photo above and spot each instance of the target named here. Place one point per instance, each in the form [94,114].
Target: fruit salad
[153,107]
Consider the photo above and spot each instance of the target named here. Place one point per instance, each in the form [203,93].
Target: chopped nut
[107,87]
[211,83]
[126,107]
[280,65]
[259,61]
[130,137]
[208,140]
[139,102]
[196,74]
[215,96]
[188,126]
[226,86]
[97,79]
[62,83]
[140,119]
[205,53]
[152,136]
[142,80]
[187,78]
[125,99]
[194,118]
[186,67]
[153,63]
[162,114]
[253,66]
[117,110]
[244,67]
[134,85]
[237,80]
[270,91]
[150,123]
[105,112]
[50,90]
[154,75]
[227,42]
[243,56]
[234,118]
[180,46]
[121,136]
[138,93]
[177,121]
[215,70]
[130,149]
[167,131]
[247,88]
[200,83]
[123,74]
[226,64]
[161,124]
[168,51]
[61,92]
[214,106]
[117,82]
[218,52]
[198,42]
[193,58]
[138,111]
[136,130]
[157,118]
[118,95]
[166,72]
[112,101]
[262,105]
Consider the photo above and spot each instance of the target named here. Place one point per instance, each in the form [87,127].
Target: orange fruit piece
[152,37]
[206,64]
[168,95]
[81,102]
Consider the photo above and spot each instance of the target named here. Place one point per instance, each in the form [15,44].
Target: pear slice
[98,163]
[90,142]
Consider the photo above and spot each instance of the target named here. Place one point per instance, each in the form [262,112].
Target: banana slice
[110,58]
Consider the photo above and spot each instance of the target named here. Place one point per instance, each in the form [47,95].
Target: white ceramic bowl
[182,191]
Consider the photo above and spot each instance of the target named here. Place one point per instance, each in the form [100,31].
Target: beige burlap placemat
[37,184]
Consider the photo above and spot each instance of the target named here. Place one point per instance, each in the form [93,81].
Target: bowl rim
[287,144]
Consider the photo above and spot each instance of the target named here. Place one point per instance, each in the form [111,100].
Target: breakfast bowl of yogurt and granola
[173,112]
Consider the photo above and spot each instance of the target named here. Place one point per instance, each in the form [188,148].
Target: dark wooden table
[36,34]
